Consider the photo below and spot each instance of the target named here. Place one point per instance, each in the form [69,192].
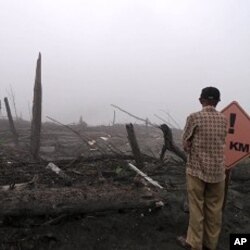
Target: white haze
[142,55]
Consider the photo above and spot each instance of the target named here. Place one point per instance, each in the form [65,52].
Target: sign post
[237,140]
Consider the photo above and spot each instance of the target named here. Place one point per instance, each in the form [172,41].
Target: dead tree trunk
[36,112]
[11,122]
[134,145]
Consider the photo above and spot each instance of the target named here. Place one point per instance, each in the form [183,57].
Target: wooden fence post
[134,145]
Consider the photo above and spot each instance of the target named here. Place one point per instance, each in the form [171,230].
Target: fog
[148,57]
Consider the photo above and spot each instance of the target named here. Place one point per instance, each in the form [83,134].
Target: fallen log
[20,186]
[66,200]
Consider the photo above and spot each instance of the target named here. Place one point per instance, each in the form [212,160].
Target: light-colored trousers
[205,212]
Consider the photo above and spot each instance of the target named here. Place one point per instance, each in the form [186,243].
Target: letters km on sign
[238,136]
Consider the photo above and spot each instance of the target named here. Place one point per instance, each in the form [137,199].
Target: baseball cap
[210,93]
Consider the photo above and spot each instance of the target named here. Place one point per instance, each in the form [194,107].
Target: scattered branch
[58,171]
[149,179]
[146,121]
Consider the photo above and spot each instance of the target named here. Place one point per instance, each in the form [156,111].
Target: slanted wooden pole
[170,145]
[36,112]
[11,122]
[134,145]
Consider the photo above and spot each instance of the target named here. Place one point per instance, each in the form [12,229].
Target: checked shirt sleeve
[189,129]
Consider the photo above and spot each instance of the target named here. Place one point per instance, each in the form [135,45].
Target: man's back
[207,131]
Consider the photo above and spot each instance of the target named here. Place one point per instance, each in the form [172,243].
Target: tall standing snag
[12,126]
[36,112]
[134,145]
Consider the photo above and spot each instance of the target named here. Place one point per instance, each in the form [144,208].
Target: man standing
[204,140]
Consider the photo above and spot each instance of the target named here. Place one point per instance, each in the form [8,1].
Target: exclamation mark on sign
[232,123]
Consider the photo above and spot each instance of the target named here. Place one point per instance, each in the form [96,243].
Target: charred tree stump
[134,145]
[11,122]
[36,112]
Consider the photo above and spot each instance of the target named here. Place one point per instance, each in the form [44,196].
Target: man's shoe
[182,242]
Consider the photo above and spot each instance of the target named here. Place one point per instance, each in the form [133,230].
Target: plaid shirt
[206,131]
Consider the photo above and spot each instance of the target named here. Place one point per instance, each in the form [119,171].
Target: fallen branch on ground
[149,179]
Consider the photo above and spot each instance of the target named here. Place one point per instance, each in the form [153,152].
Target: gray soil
[130,229]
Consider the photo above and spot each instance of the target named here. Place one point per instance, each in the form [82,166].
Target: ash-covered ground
[100,164]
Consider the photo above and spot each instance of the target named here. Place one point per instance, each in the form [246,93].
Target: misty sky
[146,56]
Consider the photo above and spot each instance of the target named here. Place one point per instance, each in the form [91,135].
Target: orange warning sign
[238,137]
